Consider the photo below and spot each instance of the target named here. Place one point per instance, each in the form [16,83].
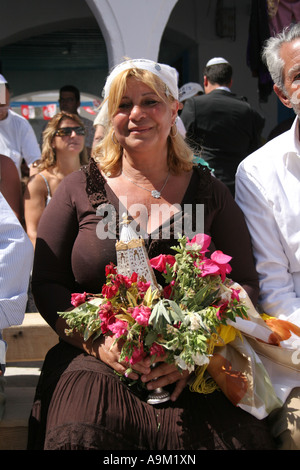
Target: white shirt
[18,140]
[16,256]
[268,192]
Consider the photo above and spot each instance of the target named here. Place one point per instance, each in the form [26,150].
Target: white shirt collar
[292,146]
[224,88]
[295,129]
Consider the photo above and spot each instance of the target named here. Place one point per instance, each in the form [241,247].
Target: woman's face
[143,119]
[69,144]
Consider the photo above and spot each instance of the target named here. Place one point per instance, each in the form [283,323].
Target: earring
[176,131]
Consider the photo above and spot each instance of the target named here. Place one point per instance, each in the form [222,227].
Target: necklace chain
[154,192]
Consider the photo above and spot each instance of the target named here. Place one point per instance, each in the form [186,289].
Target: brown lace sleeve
[95,184]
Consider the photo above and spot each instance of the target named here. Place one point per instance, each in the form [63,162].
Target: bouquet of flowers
[179,321]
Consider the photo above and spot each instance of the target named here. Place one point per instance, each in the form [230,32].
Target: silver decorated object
[159,395]
[133,257]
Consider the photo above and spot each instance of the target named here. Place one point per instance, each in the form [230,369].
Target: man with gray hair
[268,192]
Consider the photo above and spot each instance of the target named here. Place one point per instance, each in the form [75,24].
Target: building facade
[45,45]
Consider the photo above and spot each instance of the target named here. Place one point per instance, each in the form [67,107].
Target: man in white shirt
[17,138]
[16,256]
[268,192]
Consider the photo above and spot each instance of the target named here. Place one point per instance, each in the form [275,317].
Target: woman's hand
[110,354]
[164,374]
[161,375]
[105,349]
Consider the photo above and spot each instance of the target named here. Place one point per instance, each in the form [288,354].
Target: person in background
[10,186]
[268,192]
[100,124]
[16,256]
[281,127]
[69,101]
[81,403]
[17,138]
[188,91]
[221,125]
[185,92]
[63,152]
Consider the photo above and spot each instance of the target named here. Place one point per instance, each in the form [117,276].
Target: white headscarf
[166,73]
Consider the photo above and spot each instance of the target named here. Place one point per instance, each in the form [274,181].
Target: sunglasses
[67,131]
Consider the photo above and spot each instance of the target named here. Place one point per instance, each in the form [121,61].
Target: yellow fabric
[226,334]
[265,317]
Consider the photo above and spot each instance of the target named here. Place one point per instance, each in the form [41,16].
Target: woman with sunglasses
[63,152]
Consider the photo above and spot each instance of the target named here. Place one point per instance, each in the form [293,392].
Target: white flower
[182,364]
[200,359]
[225,293]
[195,323]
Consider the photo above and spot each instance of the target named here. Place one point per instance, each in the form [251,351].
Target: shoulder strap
[47,184]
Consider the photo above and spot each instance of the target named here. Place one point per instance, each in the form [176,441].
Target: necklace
[154,192]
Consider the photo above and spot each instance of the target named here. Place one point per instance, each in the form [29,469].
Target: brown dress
[80,402]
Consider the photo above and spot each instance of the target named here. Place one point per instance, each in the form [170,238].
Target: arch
[117,27]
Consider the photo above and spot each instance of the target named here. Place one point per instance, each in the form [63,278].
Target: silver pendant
[155,194]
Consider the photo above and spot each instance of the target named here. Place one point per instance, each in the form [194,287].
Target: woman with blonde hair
[81,403]
[63,152]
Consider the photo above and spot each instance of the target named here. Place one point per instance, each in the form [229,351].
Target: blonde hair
[48,157]
[108,152]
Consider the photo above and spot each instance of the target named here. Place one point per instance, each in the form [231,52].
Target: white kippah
[166,73]
[216,60]
[189,90]
[2,79]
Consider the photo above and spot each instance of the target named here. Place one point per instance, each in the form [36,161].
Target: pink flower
[216,265]
[109,291]
[137,355]
[110,269]
[78,299]
[141,315]
[221,310]
[143,286]
[202,240]
[157,350]
[235,294]
[208,268]
[168,291]
[134,277]
[125,280]
[106,316]
[119,328]
[159,262]
[222,261]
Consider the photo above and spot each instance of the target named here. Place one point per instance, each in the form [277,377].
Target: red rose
[78,299]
